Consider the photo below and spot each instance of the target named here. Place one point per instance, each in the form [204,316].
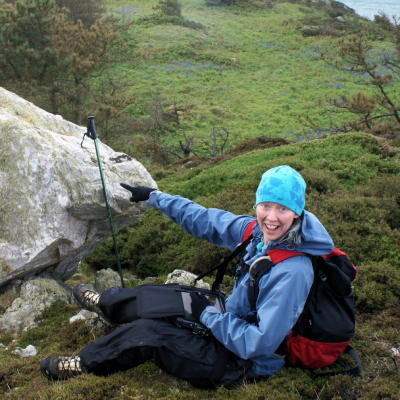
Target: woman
[237,350]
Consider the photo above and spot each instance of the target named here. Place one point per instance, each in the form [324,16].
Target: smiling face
[274,220]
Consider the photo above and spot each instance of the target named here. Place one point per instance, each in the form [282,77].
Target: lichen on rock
[105,279]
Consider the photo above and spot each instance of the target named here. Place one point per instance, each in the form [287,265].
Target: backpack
[327,323]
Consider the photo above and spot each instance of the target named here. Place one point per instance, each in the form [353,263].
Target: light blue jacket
[283,290]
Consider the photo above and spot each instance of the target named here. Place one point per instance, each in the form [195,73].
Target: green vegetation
[172,71]
[251,70]
[377,113]
[60,63]
[353,186]
[241,73]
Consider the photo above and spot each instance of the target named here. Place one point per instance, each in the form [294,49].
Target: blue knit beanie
[282,185]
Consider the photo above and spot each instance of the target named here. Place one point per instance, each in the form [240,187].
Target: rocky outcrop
[52,207]
[105,279]
[185,278]
[36,295]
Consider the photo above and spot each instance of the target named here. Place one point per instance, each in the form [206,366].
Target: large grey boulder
[52,207]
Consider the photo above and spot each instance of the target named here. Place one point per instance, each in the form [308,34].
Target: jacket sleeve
[218,227]
[283,292]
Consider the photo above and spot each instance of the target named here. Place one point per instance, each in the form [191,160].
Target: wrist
[152,201]
[203,315]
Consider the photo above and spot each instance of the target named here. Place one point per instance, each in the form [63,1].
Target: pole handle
[91,130]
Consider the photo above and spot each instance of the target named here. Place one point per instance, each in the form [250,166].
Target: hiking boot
[61,368]
[89,300]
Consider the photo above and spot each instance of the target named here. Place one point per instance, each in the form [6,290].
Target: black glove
[139,193]
[199,303]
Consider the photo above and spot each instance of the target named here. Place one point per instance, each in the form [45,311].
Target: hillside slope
[252,70]
[353,187]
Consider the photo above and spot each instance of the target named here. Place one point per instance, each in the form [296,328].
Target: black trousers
[202,361]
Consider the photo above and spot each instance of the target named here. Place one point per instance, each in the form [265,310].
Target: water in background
[369,8]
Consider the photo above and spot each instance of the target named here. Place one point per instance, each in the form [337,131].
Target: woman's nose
[271,216]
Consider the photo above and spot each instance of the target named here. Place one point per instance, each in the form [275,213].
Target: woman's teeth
[271,227]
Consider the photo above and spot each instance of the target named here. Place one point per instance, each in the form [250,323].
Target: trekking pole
[91,133]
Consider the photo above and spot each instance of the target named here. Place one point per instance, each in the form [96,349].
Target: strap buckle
[198,329]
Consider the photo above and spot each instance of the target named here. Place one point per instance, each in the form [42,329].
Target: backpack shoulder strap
[249,230]
[257,270]
[221,268]
[343,262]
[241,266]
[278,255]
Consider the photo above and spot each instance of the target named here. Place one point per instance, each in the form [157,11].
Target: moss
[43,334]
[6,339]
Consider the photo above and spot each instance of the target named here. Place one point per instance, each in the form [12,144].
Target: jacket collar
[292,238]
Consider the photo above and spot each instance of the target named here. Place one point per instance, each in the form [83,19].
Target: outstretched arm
[218,227]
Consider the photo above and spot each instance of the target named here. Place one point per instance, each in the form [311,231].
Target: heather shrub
[385,22]
[171,8]
[312,31]
[258,143]
[384,186]
[6,339]
[395,142]
[358,225]
[159,174]
[170,12]
[320,181]
[154,246]
[353,189]
[329,31]
[160,19]
[376,287]
[217,3]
